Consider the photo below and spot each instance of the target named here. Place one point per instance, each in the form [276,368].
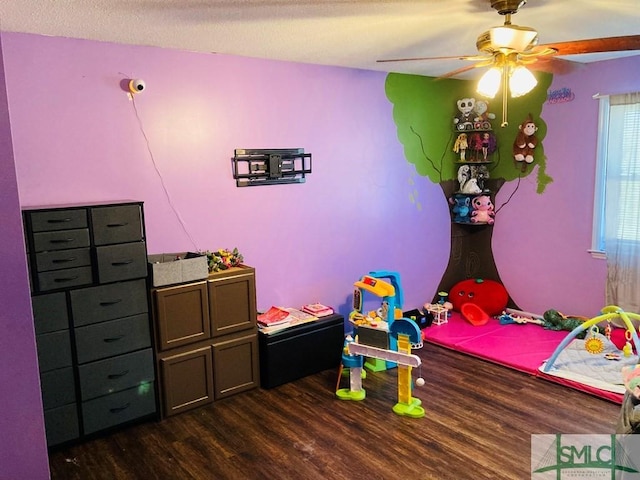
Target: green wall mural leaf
[424,109]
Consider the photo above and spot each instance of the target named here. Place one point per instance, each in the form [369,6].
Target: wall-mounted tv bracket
[253,167]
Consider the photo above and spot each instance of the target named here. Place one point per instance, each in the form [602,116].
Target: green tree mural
[423,110]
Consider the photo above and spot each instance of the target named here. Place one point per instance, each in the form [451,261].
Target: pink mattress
[521,347]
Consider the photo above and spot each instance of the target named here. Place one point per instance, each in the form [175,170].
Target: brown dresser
[206,339]
[88,273]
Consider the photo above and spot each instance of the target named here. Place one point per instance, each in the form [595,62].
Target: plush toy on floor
[629,419]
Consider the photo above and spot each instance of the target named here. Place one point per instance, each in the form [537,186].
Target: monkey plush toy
[525,143]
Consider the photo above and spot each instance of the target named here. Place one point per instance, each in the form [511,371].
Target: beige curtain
[622,203]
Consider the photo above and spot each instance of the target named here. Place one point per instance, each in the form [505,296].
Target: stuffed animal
[464,118]
[525,143]
[482,210]
[460,208]
[482,115]
[629,419]
[468,183]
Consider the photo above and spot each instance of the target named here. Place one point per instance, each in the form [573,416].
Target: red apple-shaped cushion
[489,295]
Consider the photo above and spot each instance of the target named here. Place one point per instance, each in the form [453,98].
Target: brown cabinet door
[187,380]
[232,303]
[182,315]
[236,365]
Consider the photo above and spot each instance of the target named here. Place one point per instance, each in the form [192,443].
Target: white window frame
[598,229]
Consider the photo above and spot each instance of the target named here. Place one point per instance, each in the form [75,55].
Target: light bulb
[489,82]
[521,81]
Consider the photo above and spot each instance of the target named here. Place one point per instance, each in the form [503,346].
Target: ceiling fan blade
[596,45]
[555,65]
[457,71]
[415,59]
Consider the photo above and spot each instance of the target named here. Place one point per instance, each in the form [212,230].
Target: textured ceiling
[349,33]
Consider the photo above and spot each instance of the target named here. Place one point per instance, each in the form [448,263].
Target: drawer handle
[121,263]
[62,240]
[114,225]
[119,409]
[113,339]
[113,376]
[64,260]
[65,279]
[112,302]
[59,220]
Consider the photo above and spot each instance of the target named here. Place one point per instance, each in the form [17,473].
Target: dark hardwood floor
[478,425]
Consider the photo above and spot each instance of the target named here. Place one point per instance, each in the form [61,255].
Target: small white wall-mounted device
[137,85]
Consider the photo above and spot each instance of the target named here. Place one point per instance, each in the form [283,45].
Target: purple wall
[541,242]
[76,138]
[23,450]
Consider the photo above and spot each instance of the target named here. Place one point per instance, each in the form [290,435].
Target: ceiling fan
[518,45]
[510,51]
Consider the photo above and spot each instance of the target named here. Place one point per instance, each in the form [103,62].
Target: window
[617,190]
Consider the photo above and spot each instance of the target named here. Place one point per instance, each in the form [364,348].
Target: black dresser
[88,274]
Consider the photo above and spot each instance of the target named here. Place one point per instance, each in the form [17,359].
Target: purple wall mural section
[78,137]
[172,146]
[23,450]
[541,242]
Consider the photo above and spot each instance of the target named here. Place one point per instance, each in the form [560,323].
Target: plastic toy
[474,314]
[460,146]
[407,336]
[608,313]
[377,323]
[354,363]
[593,344]
[482,210]
[525,143]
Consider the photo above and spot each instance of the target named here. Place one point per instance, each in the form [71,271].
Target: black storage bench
[301,350]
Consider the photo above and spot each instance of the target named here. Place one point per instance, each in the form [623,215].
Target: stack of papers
[279,318]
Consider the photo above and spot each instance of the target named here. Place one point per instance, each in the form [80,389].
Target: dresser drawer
[111,338]
[50,312]
[59,259]
[70,277]
[58,388]
[108,302]
[117,224]
[50,220]
[61,424]
[62,240]
[116,374]
[54,350]
[122,262]
[117,408]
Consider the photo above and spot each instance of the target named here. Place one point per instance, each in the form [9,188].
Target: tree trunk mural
[471,254]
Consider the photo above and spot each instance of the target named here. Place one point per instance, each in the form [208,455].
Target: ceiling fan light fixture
[513,37]
[489,83]
[521,81]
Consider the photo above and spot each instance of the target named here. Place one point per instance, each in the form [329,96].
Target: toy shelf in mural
[470,159]
[474,147]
